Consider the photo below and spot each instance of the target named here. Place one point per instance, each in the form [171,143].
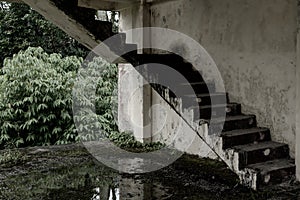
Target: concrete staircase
[247,149]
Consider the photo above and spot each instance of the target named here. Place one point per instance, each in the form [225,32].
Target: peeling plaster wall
[253,43]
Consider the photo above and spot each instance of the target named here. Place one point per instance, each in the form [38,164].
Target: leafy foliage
[21,27]
[127,141]
[36,87]
[95,92]
[36,101]
[36,98]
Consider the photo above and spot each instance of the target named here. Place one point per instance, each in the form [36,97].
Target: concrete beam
[103,5]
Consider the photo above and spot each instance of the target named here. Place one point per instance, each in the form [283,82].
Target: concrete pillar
[134,110]
[146,22]
[137,16]
[134,93]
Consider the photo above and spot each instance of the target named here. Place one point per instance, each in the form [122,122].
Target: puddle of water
[85,179]
[92,182]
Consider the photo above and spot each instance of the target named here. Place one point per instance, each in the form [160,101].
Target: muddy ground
[70,172]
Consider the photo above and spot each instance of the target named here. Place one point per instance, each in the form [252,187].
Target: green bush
[36,98]
[22,27]
[94,98]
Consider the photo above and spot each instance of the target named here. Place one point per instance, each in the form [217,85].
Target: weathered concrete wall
[253,43]
[151,118]
[297,154]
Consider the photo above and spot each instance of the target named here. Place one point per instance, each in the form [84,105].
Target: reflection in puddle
[131,189]
[113,194]
[86,181]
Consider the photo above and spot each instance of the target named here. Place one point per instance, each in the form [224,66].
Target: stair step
[182,73]
[173,60]
[261,152]
[116,42]
[198,87]
[245,136]
[233,109]
[205,99]
[218,125]
[192,75]
[239,122]
[274,171]
[120,50]
[119,39]
[206,111]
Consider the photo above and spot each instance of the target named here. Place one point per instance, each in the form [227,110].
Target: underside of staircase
[246,148]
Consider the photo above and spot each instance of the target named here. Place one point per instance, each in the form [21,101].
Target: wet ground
[69,172]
